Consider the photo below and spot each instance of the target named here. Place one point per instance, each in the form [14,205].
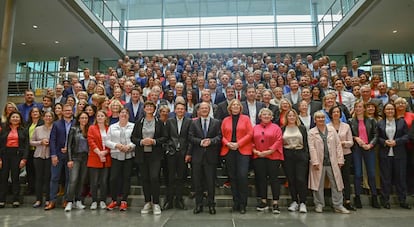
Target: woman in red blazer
[99,160]
[237,148]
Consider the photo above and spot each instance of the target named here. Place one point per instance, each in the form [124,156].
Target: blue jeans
[369,159]
[55,176]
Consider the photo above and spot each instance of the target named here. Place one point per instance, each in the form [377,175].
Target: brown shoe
[64,203]
[50,206]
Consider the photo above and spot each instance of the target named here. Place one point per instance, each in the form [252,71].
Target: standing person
[118,139]
[77,157]
[326,158]
[364,132]
[392,138]
[345,135]
[14,147]
[267,158]
[58,152]
[205,137]
[237,148]
[296,153]
[42,163]
[9,108]
[29,103]
[178,145]
[35,119]
[99,160]
[148,135]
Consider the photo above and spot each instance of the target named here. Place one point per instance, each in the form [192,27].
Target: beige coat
[316,157]
[345,135]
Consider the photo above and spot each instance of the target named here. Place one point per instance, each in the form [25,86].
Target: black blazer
[222,111]
[174,138]
[23,134]
[209,154]
[259,106]
[276,112]
[371,127]
[400,137]
[160,137]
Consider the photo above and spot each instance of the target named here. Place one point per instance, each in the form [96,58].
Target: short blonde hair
[319,113]
[231,103]
[267,110]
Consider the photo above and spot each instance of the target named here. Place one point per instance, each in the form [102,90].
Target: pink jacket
[316,150]
[268,137]
[345,135]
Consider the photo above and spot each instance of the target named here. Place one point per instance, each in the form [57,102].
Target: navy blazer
[210,154]
[400,137]
[259,106]
[140,112]
[58,139]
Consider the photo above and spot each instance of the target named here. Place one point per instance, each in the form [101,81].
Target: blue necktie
[205,128]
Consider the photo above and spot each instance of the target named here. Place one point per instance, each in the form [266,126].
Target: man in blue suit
[135,106]
[58,152]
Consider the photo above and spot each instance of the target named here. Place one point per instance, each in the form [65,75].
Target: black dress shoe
[349,206]
[405,206]
[167,205]
[387,205]
[212,210]
[179,204]
[357,202]
[198,209]
[242,209]
[375,203]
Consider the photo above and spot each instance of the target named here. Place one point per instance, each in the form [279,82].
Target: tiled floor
[27,216]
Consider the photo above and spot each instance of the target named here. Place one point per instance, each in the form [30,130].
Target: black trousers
[296,166]
[393,170]
[346,176]
[267,170]
[204,175]
[42,182]
[11,161]
[150,173]
[238,167]
[176,172]
[31,172]
[120,172]
[98,178]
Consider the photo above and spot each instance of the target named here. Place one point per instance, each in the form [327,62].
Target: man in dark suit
[135,106]
[216,95]
[177,147]
[366,97]
[59,98]
[239,91]
[222,111]
[206,97]
[58,152]
[306,95]
[251,107]
[205,137]
[410,99]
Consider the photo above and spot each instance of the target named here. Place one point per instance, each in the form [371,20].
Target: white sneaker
[79,205]
[94,206]
[341,209]
[318,208]
[102,205]
[302,208]
[156,209]
[147,208]
[68,206]
[293,206]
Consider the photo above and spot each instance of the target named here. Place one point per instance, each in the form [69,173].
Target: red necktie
[238,95]
[340,97]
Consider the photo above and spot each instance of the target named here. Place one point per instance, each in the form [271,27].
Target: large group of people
[252,113]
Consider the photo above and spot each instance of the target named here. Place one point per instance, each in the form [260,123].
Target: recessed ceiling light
[23,44]
[56,42]
[395,31]
[35,26]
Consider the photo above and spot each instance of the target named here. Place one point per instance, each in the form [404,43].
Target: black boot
[375,203]
[357,202]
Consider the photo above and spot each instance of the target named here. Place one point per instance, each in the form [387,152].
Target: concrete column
[5,48]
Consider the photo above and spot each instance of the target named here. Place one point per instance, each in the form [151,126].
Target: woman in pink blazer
[237,148]
[326,158]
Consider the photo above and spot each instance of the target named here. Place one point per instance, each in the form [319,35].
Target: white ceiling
[56,21]
[371,28]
